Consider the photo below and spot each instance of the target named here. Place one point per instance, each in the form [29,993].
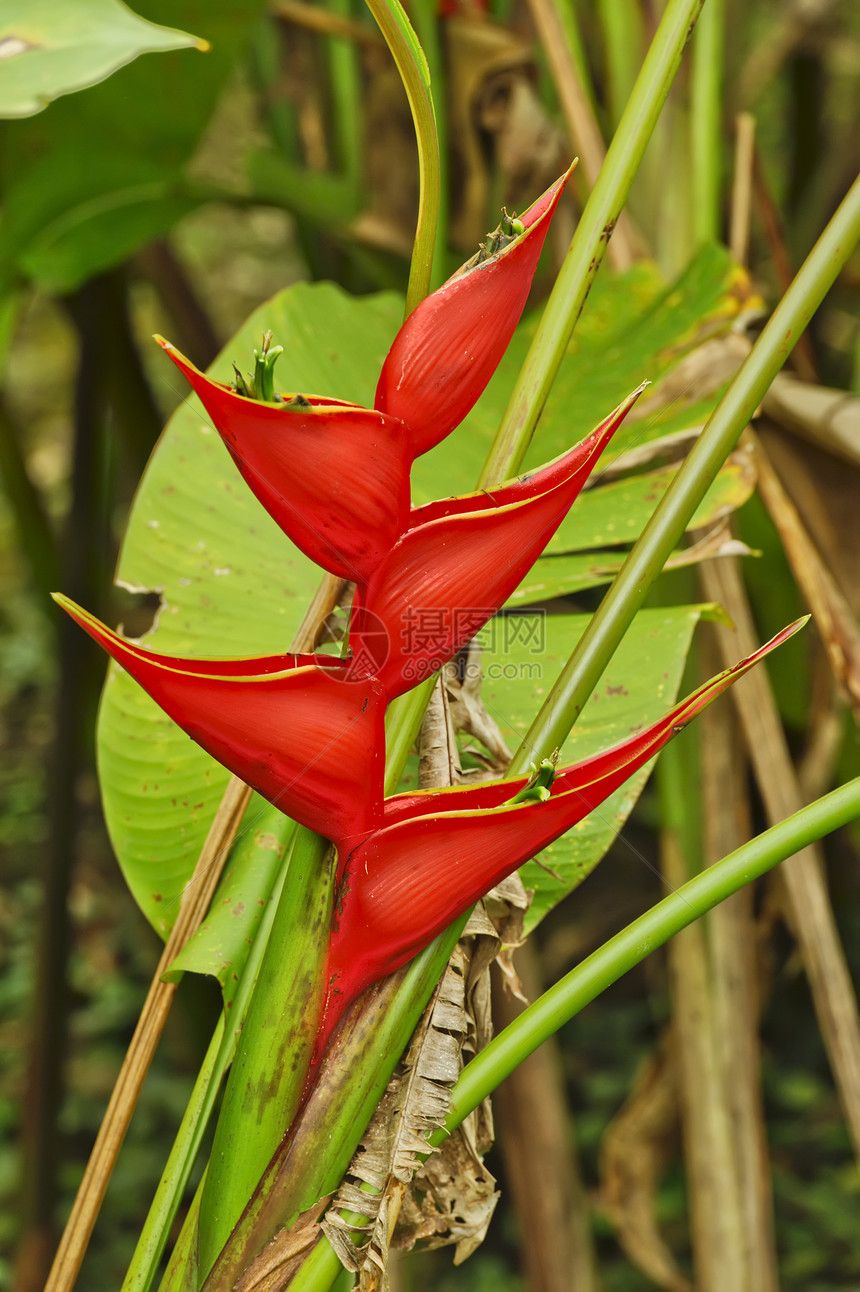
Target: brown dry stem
[582,124]
[803,876]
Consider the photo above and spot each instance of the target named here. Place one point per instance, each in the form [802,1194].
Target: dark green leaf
[97,174]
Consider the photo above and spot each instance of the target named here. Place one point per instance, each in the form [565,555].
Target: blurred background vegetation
[174,198]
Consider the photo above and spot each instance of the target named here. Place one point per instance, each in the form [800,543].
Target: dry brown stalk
[833,616]
[582,125]
[714,1204]
[739,240]
[324,21]
[808,900]
[634,1152]
[734,976]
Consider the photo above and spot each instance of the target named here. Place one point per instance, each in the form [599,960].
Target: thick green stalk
[153,1238]
[274,1051]
[353,1077]
[589,242]
[606,965]
[567,698]
[402,724]
[628,948]
[181,1272]
[415,75]
[706,123]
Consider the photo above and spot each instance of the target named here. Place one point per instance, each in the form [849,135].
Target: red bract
[334,476]
[459,561]
[451,344]
[440,851]
[308,740]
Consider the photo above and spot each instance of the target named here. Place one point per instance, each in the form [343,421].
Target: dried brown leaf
[703,370]
[491,83]
[438,760]
[833,616]
[278,1262]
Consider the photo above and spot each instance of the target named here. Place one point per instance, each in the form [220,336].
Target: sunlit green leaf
[52,47]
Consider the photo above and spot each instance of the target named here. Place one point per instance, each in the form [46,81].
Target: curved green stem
[606,965]
[425,15]
[658,539]
[589,242]
[415,75]
[628,948]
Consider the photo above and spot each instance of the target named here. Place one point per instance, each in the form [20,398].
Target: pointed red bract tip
[334,476]
[303,730]
[451,344]
[575,466]
[439,851]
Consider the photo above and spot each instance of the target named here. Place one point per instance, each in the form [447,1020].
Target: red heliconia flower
[334,476]
[439,851]
[459,561]
[305,731]
[451,344]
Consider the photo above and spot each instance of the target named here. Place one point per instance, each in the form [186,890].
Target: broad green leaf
[523,655]
[52,47]
[97,174]
[231,584]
